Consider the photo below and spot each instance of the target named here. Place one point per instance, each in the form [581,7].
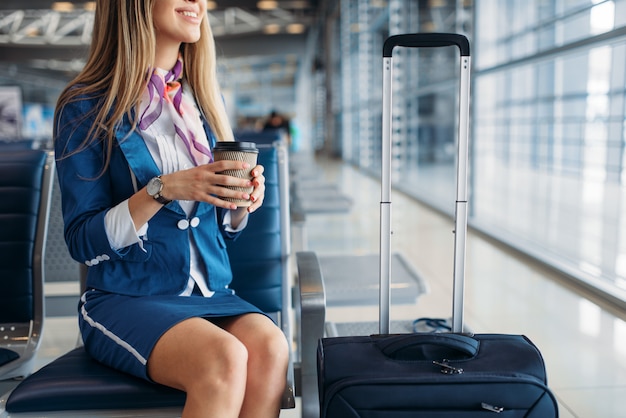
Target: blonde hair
[121,54]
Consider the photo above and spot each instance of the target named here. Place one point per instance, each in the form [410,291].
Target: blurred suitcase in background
[438,375]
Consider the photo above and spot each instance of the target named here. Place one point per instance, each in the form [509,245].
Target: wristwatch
[154,189]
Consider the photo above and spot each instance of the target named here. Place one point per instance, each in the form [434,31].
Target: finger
[258,187]
[225,192]
[226,180]
[222,165]
[258,181]
[254,206]
[221,203]
[257,170]
[257,198]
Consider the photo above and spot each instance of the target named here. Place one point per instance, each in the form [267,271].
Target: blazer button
[183,224]
[195,221]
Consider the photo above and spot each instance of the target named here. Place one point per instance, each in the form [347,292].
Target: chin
[191,39]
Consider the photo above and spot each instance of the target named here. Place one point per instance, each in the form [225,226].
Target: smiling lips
[188,13]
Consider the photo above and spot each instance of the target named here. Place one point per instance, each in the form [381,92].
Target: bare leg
[206,362]
[268,356]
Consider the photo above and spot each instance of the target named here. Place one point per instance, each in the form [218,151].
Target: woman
[133,134]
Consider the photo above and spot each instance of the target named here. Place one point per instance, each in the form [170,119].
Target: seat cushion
[75,382]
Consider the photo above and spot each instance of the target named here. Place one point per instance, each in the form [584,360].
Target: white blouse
[170,155]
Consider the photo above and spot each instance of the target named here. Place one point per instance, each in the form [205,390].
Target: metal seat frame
[22,338]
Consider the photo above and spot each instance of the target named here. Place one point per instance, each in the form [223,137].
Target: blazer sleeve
[87,190]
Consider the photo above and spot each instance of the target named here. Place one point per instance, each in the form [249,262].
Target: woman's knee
[223,367]
[270,351]
[279,346]
[196,355]
[220,377]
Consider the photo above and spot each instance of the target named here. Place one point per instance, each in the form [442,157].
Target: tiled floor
[583,340]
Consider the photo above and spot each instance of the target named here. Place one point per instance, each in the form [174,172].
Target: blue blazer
[162,266]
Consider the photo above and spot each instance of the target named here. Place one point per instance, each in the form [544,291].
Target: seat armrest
[312,312]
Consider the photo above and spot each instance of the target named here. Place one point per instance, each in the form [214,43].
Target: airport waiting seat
[76,385]
[25,190]
[16,144]
[260,137]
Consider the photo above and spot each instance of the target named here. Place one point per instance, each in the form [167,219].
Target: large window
[425,90]
[548,120]
[548,139]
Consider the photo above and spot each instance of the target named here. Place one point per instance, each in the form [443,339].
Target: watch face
[154,186]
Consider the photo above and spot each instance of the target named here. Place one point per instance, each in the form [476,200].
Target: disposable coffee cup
[237,151]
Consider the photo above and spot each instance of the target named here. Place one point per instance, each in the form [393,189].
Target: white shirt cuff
[120,228]
[229,228]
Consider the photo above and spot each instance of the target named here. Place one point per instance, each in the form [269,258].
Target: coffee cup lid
[235,146]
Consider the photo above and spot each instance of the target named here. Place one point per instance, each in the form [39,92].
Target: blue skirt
[121,331]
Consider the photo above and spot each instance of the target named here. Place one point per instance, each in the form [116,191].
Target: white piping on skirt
[109,334]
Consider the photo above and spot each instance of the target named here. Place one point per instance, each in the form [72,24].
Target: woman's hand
[257,196]
[205,184]
[258,193]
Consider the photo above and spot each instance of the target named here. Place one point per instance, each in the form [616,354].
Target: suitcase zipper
[339,385]
[446,368]
[492,408]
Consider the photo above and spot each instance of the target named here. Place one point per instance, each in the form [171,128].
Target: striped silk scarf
[187,124]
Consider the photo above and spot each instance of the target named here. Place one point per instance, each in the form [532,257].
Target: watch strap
[159,198]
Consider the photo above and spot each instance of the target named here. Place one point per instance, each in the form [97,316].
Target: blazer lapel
[139,158]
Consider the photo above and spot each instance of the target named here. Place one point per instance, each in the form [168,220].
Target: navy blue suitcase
[433,375]
[436,375]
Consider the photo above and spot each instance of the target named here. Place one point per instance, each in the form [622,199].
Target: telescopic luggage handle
[425,40]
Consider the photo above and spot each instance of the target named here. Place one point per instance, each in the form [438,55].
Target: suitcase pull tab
[446,368]
[496,409]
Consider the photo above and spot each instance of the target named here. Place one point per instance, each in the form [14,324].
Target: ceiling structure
[53,36]
[69,23]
